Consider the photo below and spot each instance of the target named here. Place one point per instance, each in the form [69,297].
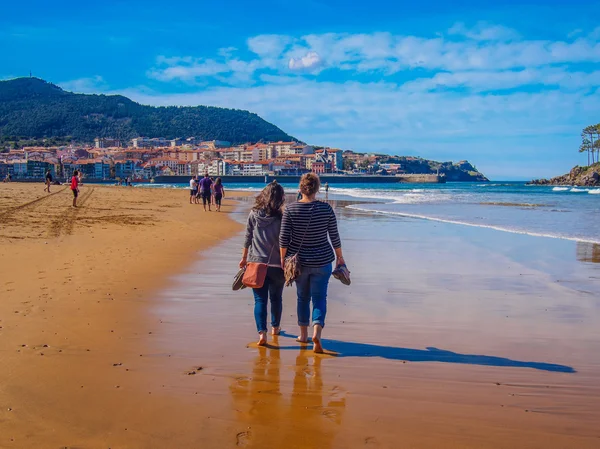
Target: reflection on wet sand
[588,252]
[270,415]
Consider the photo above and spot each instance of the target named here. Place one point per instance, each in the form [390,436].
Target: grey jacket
[262,238]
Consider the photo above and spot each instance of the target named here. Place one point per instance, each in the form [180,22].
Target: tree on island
[590,142]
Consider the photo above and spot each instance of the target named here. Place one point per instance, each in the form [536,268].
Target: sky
[507,85]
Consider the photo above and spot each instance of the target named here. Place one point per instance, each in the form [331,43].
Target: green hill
[31,108]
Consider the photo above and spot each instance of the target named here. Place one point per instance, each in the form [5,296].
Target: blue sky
[506,85]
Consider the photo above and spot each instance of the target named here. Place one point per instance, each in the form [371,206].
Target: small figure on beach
[305,228]
[219,193]
[206,191]
[262,245]
[212,192]
[193,190]
[299,196]
[79,178]
[326,188]
[48,181]
[75,186]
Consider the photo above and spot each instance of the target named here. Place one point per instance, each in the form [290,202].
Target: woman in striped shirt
[305,228]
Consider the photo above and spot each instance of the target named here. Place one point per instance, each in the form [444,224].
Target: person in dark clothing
[219,191]
[48,181]
[262,245]
[206,191]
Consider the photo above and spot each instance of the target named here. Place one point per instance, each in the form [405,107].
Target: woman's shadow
[353,349]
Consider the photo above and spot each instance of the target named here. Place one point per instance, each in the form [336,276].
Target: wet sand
[449,337]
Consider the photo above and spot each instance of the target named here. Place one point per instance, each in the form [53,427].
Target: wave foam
[594,192]
[560,189]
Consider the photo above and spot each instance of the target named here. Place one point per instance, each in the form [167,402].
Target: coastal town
[143,159]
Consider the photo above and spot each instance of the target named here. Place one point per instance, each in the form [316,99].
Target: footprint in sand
[371,442]
[242,381]
[243,439]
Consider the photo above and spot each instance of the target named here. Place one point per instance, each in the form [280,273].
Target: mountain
[35,109]
[578,176]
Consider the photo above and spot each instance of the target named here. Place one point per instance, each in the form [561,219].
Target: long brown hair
[271,200]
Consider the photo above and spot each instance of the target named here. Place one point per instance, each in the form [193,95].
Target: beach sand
[75,333]
[449,337]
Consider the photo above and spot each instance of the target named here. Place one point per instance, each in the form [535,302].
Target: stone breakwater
[578,176]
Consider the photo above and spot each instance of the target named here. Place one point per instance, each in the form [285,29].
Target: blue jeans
[273,287]
[312,284]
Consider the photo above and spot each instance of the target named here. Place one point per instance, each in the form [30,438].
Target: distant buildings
[145,158]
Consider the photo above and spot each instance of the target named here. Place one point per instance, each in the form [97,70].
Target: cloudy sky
[507,86]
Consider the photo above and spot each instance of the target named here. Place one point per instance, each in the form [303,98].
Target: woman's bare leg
[317,347]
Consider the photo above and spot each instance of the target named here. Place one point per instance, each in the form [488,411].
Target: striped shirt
[297,224]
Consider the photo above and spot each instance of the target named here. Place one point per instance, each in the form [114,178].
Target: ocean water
[571,213]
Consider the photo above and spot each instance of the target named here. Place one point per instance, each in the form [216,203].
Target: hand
[243,262]
[340,261]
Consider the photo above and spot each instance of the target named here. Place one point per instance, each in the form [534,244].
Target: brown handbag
[256,273]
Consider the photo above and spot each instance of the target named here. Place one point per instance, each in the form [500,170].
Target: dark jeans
[273,288]
[312,285]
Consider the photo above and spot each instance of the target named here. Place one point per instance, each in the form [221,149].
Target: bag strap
[307,228]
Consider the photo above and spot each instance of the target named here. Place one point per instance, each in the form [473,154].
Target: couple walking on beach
[294,239]
[211,192]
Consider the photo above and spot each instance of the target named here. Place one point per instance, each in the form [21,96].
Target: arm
[334,235]
[223,190]
[285,235]
[244,260]
[247,240]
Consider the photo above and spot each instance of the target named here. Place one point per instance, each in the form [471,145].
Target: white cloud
[94,84]
[268,45]
[309,61]
[484,31]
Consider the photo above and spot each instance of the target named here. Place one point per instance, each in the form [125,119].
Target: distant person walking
[193,190]
[305,228]
[206,191]
[212,192]
[48,181]
[262,245]
[75,187]
[326,189]
[219,192]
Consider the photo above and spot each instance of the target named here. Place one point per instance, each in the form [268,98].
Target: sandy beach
[119,329]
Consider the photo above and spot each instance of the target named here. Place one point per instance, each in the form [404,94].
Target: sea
[560,212]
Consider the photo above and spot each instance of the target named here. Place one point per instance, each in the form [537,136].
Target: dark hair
[218,182]
[76,172]
[310,184]
[271,200]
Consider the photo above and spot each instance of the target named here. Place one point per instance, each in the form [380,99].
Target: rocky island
[578,176]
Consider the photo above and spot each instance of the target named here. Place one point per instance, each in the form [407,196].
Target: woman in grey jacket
[262,245]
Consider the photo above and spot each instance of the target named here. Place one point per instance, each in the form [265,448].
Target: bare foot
[317,347]
[276,331]
[303,337]
[262,340]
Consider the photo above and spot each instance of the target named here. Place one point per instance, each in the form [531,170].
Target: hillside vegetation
[31,108]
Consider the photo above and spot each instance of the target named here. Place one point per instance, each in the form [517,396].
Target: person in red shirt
[75,187]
